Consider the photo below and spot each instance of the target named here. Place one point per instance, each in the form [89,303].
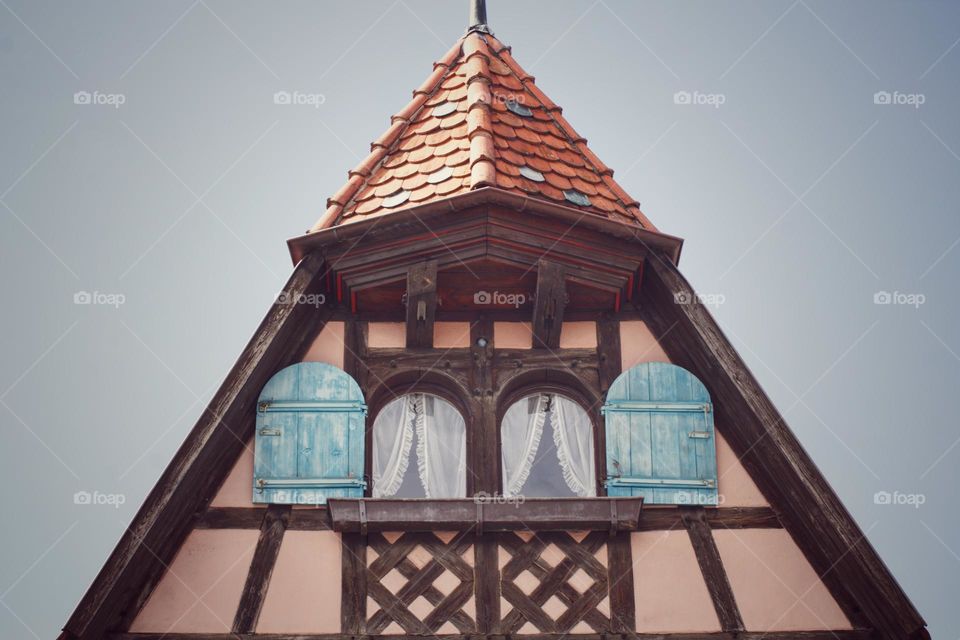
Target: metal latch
[700,435]
[271,432]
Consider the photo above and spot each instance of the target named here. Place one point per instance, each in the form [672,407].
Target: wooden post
[610,360]
[353,605]
[622,603]
[421,304]
[549,305]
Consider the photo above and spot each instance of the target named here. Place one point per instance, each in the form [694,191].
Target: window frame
[388,392]
[508,397]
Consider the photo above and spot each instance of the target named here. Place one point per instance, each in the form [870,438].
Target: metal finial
[478,16]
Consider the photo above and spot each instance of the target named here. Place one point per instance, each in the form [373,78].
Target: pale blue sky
[799,198]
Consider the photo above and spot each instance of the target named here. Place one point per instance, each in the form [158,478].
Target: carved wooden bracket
[421,304]
[549,305]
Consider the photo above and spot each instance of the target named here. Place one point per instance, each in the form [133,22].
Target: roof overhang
[667,245]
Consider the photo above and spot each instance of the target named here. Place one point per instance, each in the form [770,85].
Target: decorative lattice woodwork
[420,583]
[554,582]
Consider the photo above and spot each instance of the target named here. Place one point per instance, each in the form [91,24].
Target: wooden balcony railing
[486,566]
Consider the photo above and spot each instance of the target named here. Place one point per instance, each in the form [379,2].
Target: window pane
[547,448]
[419,449]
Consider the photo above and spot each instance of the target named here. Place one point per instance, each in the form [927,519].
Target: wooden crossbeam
[714,574]
[656,518]
[394,606]
[567,594]
[838,634]
[261,568]
[421,304]
[551,300]
[434,596]
[553,582]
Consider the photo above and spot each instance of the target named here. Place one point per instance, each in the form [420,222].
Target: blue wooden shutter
[660,437]
[310,436]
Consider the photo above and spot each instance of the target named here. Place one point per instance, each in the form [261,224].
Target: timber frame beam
[203,460]
[840,634]
[813,514]
[711,566]
[654,518]
[261,568]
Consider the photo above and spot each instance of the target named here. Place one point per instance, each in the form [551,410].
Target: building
[487,403]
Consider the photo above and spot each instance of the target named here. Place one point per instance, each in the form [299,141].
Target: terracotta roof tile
[476,121]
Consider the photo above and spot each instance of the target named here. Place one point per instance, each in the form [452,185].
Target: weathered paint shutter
[660,436]
[310,436]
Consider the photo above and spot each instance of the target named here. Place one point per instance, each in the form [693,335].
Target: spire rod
[478,16]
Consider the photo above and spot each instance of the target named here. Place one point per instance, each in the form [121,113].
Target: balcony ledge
[485,514]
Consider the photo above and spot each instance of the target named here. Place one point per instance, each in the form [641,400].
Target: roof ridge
[483,155]
[381,148]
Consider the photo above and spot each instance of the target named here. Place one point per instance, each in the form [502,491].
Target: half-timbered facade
[487,404]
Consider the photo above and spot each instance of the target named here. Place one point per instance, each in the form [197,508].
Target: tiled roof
[479,121]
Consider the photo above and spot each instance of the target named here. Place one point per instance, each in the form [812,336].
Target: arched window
[660,436]
[564,464]
[309,436]
[419,449]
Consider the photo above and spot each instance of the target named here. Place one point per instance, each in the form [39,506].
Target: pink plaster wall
[736,487]
[578,335]
[512,335]
[774,585]
[670,593]
[328,345]
[451,335]
[304,591]
[201,589]
[237,489]
[386,334]
[637,344]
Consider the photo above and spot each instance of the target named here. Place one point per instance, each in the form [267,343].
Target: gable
[736,565]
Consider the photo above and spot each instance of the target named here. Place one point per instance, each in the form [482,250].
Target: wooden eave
[419,218]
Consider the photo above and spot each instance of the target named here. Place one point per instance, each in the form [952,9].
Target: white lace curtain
[520,436]
[441,448]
